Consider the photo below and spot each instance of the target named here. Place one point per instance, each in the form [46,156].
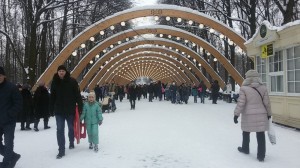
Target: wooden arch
[97,65]
[171,68]
[172,44]
[157,10]
[159,30]
[107,76]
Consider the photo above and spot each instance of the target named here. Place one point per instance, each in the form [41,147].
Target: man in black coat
[65,93]
[41,106]
[215,87]
[10,106]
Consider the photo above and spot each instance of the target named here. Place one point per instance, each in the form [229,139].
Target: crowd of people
[18,104]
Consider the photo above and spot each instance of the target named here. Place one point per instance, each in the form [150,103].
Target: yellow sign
[264,51]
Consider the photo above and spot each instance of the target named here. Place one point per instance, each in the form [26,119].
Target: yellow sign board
[264,53]
[266,50]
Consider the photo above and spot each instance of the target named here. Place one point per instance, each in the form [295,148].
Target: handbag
[271,130]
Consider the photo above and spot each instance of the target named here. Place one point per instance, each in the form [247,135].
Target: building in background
[276,53]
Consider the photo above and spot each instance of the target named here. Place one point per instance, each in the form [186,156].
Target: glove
[235,119]
[269,117]
[100,122]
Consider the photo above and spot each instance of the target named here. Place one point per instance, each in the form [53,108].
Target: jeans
[60,134]
[8,131]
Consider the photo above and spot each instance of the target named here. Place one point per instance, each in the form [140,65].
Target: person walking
[92,116]
[132,95]
[10,105]
[195,93]
[41,106]
[26,116]
[254,106]
[215,87]
[202,91]
[65,93]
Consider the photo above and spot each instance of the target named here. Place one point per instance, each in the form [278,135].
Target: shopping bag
[77,126]
[271,133]
[82,130]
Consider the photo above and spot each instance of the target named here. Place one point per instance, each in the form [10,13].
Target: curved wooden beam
[172,44]
[108,75]
[97,65]
[157,10]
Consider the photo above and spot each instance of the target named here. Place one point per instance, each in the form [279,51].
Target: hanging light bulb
[112,27]
[156,18]
[222,36]
[169,36]
[104,51]
[178,38]
[97,56]
[92,38]
[119,42]
[168,18]
[179,20]
[91,62]
[199,65]
[186,41]
[127,39]
[201,26]
[82,45]
[111,46]
[102,32]
[211,30]
[123,23]
[215,59]
[191,22]
[161,35]
[74,53]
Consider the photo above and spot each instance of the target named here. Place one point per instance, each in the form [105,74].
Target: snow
[161,135]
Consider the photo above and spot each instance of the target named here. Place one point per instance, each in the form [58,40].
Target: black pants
[261,143]
[37,120]
[132,103]
[8,131]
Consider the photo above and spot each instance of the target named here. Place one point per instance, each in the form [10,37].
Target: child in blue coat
[92,116]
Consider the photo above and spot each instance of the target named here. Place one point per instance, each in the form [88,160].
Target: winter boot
[14,160]
[71,146]
[96,148]
[91,146]
[60,155]
[46,125]
[36,129]
[240,149]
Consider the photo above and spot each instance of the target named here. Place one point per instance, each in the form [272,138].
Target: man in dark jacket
[10,106]
[65,93]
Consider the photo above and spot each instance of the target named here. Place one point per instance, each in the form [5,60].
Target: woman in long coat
[41,105]
[254,105]
[26,115]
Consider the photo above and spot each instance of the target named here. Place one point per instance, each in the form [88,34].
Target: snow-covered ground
[161,135]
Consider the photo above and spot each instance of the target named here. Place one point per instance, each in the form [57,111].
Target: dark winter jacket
[10,103]
[65,93]
[27,113]
[215,87]
[41,102]
[132,92]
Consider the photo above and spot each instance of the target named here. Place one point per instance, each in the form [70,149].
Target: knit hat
[62,67]
[2,71]
[252,73]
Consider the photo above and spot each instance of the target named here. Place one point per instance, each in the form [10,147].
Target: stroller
[108,103]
